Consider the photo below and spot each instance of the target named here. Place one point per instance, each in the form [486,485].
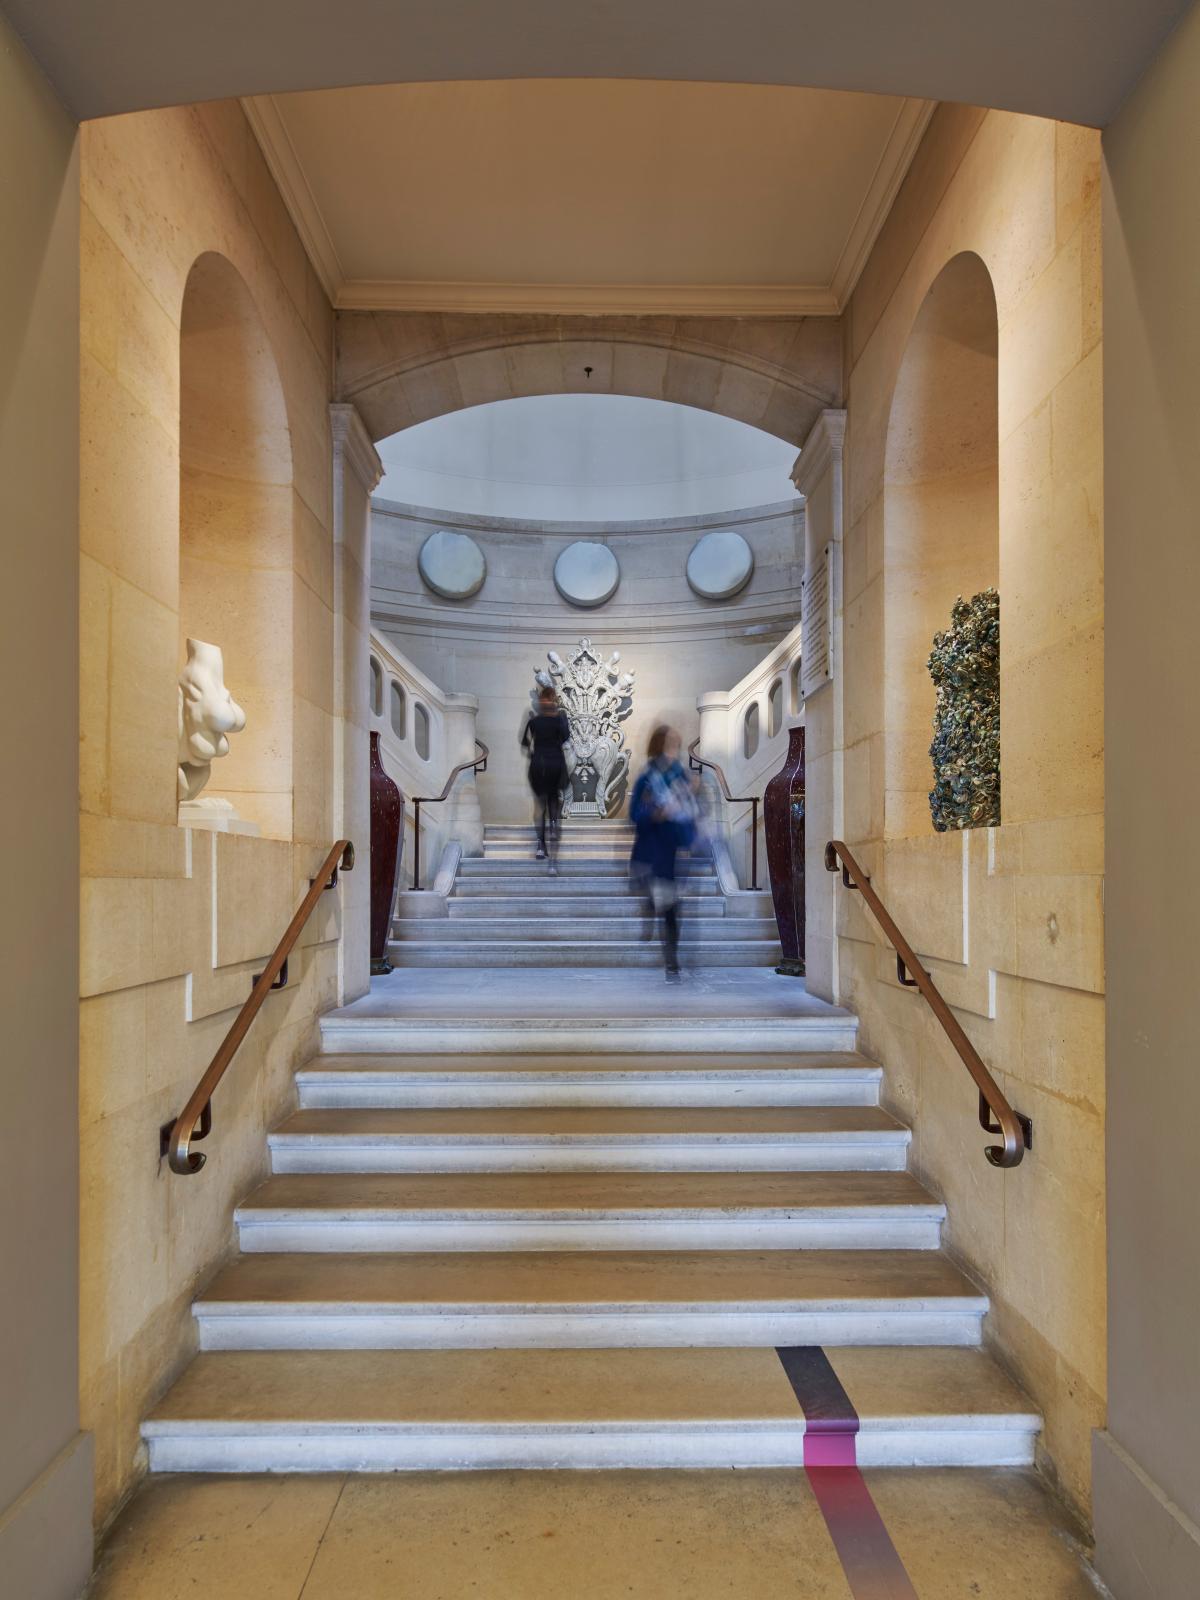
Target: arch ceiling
[1059,58]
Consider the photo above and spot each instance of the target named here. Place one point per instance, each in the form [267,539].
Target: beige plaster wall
[175,922]
[45,1462]
[1009,921]
[1147,1486]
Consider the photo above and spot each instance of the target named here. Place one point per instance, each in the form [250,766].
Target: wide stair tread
[613,1138]
[397,1409]
[671,1080]
[589,1210]
[622,1299]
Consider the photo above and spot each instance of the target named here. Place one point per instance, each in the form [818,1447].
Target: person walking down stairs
[663,811]
[545,733]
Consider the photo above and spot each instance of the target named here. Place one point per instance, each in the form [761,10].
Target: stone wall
[679,645]
[175,922]
[1008,920]
[45,1461]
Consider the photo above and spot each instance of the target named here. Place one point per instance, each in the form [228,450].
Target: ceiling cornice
[591,299]
[587,299]
[269,128]
[908,130]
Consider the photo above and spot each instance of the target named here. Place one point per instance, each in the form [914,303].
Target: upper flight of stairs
[534,1242]
[506,910]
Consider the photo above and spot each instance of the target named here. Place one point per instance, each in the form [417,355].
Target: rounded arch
[236,531]
[941,511]
[401,368]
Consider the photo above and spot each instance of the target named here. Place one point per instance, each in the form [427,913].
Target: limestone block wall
[1009,920]
[678,645]
[175,922]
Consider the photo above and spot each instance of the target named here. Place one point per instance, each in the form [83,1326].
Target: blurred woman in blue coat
[663,812]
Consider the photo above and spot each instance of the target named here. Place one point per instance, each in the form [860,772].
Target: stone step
[360,1411]
[590,1211]
[614,849]
[582,1027]
[493,954]
[532,928]
[570,865]
[598,827]
[540,882]
[679,1080]
[712,1139]
[569,904]
[614,1298]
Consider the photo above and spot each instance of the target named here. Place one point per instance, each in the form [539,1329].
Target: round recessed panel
[586,574]
[720,564]
[452,565]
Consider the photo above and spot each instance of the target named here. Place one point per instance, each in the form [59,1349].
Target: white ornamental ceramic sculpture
[208,714]
[597,698]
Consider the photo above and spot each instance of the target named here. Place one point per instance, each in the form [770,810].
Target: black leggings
[549,810]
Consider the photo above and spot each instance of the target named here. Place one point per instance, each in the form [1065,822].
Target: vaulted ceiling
[1075,59]
[589,195]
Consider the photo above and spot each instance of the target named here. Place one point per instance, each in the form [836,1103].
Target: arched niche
[941,513]
[236,532]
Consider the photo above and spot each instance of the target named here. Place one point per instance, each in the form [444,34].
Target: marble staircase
[568,1226]
[507,910]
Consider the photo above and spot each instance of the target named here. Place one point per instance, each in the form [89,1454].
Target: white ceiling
[1075,59]
[589,195]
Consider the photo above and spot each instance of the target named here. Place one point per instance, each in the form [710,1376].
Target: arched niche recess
[941,513]
[236,532]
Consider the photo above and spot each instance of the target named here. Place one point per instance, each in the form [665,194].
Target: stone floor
[962,1535]
[588,991]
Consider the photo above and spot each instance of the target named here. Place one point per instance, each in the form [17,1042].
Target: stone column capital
[822,448]
[352,443]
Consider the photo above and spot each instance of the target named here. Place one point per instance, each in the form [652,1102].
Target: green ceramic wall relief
[965,667]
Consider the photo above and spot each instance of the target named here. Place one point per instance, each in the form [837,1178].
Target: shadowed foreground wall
[1147,1484]
[175,921]
[1008,920]
[45,1462]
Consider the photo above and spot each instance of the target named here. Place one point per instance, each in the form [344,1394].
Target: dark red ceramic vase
[387,816]
[783,822]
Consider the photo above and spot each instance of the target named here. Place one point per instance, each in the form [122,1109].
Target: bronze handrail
[194,1122]
[752,800]
[1016,1129]
[478,765]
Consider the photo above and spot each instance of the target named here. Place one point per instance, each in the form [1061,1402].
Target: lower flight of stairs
[507,910]
[490,1247]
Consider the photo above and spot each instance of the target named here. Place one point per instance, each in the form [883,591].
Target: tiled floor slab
[987,1535]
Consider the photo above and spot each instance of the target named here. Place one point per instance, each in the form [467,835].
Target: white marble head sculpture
[208,714]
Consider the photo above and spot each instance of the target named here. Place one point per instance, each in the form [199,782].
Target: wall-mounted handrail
[194,1122]
[1017,1130]
[478,765]
[752,800]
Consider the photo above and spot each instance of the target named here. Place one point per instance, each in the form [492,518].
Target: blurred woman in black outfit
[544,735]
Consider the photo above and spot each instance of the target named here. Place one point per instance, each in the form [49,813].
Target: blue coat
[663,815]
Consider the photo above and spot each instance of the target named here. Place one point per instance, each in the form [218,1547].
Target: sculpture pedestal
[215,816]
[783,819]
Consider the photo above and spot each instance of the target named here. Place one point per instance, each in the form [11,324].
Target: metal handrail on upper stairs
[1017,1130]
[478,765]
[752,800]
[194,1122]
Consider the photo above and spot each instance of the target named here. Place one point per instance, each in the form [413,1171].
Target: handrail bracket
[989,1126]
